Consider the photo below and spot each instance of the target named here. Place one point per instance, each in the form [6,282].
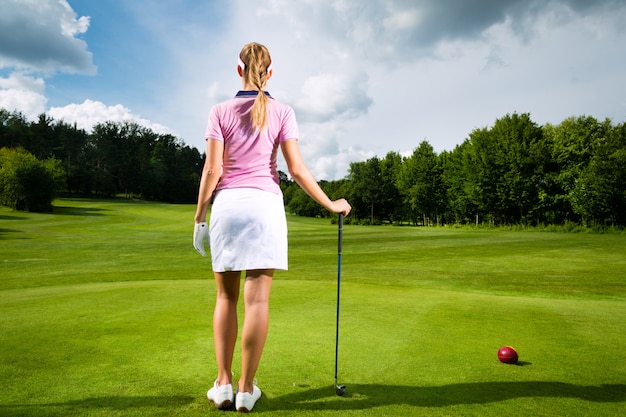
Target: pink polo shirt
[250,155]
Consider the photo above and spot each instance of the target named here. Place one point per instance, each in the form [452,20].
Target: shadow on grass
[359,397]
[4,231]
[118,403]
[78,211]
[4,217]
[364,396]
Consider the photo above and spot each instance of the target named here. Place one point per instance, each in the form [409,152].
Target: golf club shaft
[338,293]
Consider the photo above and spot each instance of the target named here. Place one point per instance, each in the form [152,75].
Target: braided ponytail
[257,61]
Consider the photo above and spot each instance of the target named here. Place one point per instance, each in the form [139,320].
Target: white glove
[200,236]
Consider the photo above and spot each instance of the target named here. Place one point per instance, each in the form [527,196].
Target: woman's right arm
[303,177]
[210,176]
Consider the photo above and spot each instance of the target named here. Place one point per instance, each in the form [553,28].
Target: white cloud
[23,93]
[402,20]
[19,81]
[330,96]
[70,26]
[326,154]
[90,113]
[40,36]
[29,103]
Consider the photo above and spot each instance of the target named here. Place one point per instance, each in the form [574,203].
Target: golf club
[339,389]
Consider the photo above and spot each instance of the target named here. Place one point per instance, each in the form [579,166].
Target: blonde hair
[256,59]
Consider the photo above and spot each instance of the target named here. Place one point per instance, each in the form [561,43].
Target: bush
[26,183]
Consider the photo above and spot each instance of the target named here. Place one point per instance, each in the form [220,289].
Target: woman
[248,228]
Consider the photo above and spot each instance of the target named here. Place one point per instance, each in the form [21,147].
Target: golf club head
[340,390]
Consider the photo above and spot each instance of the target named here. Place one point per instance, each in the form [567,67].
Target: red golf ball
[507,354]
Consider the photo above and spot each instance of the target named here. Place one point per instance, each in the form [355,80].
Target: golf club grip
[340,233]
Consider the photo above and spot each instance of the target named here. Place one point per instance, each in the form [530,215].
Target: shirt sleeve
[289,126]
[214,129]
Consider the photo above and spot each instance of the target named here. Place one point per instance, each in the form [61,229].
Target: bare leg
[256,295]
[225,324]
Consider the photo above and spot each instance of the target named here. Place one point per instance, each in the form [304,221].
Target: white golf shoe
[245,401]
[221,395]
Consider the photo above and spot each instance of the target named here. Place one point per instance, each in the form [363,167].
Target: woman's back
[249,152]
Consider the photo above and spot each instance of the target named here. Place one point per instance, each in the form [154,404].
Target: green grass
[105,310]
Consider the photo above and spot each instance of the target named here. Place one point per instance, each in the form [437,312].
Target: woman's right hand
[201,237]
[341,206]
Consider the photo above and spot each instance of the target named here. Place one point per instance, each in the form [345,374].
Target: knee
[256,300]
[228,297]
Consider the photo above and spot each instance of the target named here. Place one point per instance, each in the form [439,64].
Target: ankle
[224,380]
[244,387]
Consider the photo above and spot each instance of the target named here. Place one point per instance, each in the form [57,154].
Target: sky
[365,77]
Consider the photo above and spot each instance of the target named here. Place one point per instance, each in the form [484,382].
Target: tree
[41,137]
[521,155]
[366,189]
[419,183]
[303,205]
[391,203]
[572,145]
[27,183]
[13,129]
[504,169]
[73,151]
[459,185]
[105,143]
[599,192]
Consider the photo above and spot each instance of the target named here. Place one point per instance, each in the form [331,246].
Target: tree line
[515,172]
[115,158]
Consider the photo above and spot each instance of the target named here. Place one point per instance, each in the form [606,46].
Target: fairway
[106,309]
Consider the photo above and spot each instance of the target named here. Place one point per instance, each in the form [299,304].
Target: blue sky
[365,77]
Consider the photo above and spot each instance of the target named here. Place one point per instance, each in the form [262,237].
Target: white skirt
[248,230]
